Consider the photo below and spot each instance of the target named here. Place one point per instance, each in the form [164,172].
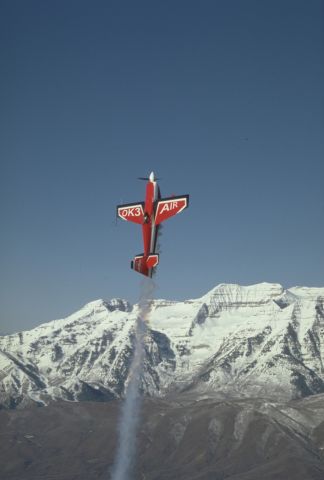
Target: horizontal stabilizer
[152,260]
[144,265]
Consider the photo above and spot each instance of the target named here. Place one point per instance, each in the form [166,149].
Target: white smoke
[130,414]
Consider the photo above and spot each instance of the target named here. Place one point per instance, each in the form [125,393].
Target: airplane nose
[152,177]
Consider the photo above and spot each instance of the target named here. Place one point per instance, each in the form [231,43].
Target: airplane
[150,214]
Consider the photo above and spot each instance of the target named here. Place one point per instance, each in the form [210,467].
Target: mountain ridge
[237,341]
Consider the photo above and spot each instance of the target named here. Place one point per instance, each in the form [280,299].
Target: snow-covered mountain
[260,340]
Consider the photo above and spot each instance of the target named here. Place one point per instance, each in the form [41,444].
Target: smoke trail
[131,408]
[159,235]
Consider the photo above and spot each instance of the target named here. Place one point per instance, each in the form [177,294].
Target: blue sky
[222,99]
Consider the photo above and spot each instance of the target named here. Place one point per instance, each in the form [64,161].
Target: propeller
[150,178]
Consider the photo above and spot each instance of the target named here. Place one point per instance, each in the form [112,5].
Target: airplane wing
[167,207]
[131,212]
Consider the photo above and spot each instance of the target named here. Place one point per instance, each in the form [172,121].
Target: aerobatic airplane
[150,214]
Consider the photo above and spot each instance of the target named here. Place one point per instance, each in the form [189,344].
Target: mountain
[234,342]
[210,439]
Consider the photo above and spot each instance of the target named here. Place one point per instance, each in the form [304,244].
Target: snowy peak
[233,293]
[234,341]
[310,293]
[229,296]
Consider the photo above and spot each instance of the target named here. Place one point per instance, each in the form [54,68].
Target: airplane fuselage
[149,228]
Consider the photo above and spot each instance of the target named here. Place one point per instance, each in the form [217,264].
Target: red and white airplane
[150,214]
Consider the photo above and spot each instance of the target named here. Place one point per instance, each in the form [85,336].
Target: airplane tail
[145,265]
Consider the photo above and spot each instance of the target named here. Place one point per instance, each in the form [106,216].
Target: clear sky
[223,99]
